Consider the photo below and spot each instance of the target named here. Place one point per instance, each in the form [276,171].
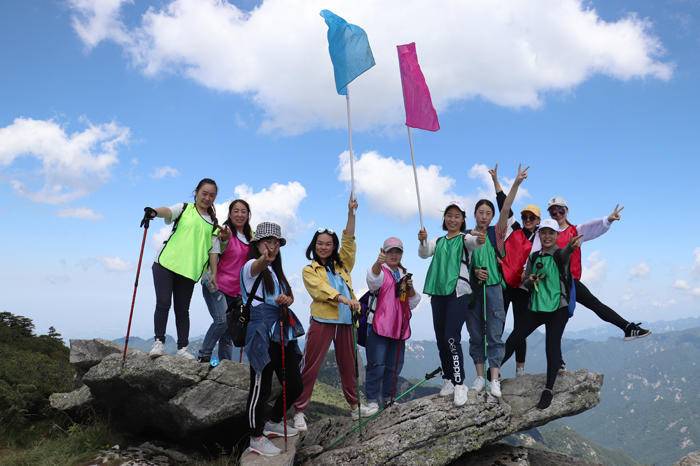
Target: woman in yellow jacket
[327,279]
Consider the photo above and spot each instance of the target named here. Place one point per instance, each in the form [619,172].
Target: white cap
[551,224]
[557,200]
[458,205]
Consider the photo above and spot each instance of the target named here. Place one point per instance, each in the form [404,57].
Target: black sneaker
[204,359]
[633,331]
[545,399]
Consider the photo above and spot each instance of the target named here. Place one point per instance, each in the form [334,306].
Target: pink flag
[420,112]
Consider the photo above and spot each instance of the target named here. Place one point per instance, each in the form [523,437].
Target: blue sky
[599,98]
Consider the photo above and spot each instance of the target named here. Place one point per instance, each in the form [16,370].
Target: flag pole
[415,176]
[352,156]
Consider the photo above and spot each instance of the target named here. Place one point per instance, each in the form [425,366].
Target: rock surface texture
[431,430]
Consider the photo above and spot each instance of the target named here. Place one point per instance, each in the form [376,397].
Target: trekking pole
[427,377]
[240,355]
[147,217]
[357,372]
[284,378]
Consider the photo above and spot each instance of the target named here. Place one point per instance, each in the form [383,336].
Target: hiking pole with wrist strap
[148,215]
[427,377]
[283,317]
[357,371]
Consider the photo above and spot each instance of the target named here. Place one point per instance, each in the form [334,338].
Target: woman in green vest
[181,261]
[447,283]
[486,315]
[548,277]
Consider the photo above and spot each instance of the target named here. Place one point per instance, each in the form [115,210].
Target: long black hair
[247,231]
[211,210]
[485,202]
[276,265]
[334,258]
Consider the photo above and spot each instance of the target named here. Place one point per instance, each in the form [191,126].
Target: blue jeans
[384,364]
[493,327]
[217,303]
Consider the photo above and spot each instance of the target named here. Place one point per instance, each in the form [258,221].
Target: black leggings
[261,386]
[449,313]
[554,323]
[586,298]
[172,286]
[520,299]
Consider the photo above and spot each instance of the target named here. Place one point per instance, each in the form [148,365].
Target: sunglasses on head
[325,230]
[528,217]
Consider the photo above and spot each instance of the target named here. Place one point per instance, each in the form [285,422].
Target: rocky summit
[178,397]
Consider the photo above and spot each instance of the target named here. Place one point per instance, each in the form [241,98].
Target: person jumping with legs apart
[548,277]
[447,283]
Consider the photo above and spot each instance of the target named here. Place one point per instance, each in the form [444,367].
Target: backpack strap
[491,233]
[464,260]
[564,274]
[252,295]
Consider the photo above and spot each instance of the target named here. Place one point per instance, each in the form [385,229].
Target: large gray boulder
[86,353]
[507,455]
[431,430]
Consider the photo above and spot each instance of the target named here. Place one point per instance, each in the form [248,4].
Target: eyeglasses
[528,217]
[557,210]
[325,230]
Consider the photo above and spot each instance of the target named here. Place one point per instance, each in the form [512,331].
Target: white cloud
[162,172]
[509,53]
[594,269]
[72,165]
[82,213]
[480,172]
[681,285]
[695,292]
[640,270]
[277,203]
[115,264]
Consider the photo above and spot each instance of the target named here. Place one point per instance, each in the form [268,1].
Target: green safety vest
[186,251]
[547,296]
[444,269]
[485,256]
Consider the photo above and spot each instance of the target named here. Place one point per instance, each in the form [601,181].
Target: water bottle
[214,361]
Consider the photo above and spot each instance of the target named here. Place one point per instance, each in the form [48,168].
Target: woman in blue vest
[486,315]
[181,261]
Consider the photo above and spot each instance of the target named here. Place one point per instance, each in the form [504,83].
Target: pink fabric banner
[420,112]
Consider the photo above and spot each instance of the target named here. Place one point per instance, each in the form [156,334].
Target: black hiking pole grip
[430,375]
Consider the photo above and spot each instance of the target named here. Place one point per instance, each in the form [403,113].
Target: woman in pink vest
[389,325]
[221,287]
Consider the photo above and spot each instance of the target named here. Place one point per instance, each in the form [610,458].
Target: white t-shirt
[176,210]
[248,280]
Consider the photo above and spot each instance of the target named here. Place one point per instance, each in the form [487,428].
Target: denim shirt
[344,314]
[263,330]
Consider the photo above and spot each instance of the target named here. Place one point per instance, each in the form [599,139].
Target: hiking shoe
[206,359]
[157,350]
[519,371]
[300,422]
[448,388]
[263,446]
[545,399]
[633,331]
[478,384]
[460,395]
[369,409]
[276,429]
[183,353]
[496,388]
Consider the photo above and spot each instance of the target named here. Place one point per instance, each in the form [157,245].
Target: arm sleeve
[374,282]
[426,248]
[500,199]
[414,300]
[347,251]
[594,228]
[470,242]
[318,288]
[176,211]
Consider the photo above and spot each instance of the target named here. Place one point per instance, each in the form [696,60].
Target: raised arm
[350,224]
[508,203]
[500,195]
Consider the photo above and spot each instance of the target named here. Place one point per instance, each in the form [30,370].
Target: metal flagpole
[352,155]
[415,176]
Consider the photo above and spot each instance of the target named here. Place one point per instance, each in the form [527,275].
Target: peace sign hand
[615,215]
[494,173]
[522,174]
[268,254]
[575,242]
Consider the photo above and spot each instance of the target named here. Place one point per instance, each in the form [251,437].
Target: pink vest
[228,274]
[392,316]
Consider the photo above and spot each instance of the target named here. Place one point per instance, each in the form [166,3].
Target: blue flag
[349,49]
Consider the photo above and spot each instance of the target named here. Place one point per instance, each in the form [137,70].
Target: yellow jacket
[323,304]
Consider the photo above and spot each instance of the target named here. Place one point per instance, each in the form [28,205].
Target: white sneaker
[496,388]
[157,350]
[368,409]
[183,353]
[263,446]
[478,384]
[300,422]
[276,429]
[460,395]
[448,388]
[519,371]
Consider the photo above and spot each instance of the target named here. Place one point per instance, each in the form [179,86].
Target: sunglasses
[557,210]
[529,217]
[325,230]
